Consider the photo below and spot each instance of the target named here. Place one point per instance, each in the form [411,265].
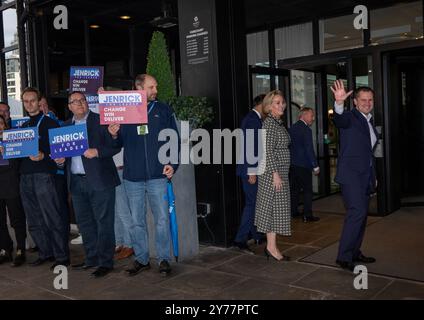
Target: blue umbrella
[172,219]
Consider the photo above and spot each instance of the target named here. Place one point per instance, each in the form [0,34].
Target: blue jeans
[123,219]
[95,215]
[155,190]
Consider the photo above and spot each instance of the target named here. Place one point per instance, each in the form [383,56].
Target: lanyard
[39,121]
[152,105]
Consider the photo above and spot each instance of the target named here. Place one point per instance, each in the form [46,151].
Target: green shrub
[197,110]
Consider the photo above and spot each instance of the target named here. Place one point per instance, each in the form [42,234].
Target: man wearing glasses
[92,181]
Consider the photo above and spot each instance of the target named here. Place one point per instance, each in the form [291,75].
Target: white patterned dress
[272,207]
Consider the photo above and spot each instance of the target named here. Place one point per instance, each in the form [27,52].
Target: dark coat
[9,180]
[302,152]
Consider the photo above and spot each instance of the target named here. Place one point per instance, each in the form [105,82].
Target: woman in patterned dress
[273,198]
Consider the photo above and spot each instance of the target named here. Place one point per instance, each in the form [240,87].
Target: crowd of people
[110,184]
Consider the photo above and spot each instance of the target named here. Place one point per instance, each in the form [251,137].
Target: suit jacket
[250,121]
[101,172]
[302,152]
[356,158]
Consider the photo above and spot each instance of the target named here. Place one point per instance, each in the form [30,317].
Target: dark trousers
[301,180]
[46,222]
[95,215]
[247,227]
[17,221]
[356,200]
[62,192]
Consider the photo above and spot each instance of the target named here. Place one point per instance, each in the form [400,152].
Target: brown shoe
[125,253]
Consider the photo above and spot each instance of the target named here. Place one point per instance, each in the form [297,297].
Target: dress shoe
[137,268]
[269,254]
[310,219]
[82,266]
[19,258]
[65,263]
[243,247]
[346,265]
[40,261]
[101,272]
[164,267]
[124,253]
[5,256]
[364,259]
[33,249]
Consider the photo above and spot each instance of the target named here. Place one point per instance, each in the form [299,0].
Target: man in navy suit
[252,121]
[355,169]
[92,179]
[303,163]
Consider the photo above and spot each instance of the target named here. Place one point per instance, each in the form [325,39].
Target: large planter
[186,208]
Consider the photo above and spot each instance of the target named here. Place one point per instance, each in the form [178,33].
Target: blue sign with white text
[17,122]
[70,141]
[20,143]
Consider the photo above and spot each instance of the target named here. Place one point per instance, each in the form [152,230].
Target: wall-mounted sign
[197,40]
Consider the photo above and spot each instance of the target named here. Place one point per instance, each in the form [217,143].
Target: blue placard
[17,122]
[70,141]
[20,143]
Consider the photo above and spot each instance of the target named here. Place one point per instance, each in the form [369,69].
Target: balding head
[149,84]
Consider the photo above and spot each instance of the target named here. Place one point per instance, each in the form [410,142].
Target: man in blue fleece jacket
[144,175]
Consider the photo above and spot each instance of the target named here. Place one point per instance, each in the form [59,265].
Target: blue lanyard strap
[152,105]
[39,121]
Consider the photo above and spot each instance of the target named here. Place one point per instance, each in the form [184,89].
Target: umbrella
[172,219]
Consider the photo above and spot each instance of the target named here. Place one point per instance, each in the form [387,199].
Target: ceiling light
[94,26]
[125,17]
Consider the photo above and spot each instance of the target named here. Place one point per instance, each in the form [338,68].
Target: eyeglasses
[77,101]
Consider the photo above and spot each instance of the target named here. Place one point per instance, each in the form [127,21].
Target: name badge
[142,130]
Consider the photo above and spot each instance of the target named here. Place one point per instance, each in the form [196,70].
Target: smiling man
[355,169]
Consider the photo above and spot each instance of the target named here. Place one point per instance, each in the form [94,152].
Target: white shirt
[77,166]
[339,110]
[259,115]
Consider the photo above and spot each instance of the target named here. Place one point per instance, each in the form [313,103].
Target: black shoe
[19,258]
[101,272]
[65,263]
[137,268]
[269,254]
[364,259]
[310,219]
[40,261]
[164,267]
[5,256]
[346,265]
[82,266]
[243,247]
[32,250]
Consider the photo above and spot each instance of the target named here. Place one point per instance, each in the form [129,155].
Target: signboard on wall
[197,39]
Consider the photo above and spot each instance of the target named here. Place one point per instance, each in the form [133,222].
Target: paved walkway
[219,273]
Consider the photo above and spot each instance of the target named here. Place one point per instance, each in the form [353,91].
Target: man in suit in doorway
[355,169]
[303,163]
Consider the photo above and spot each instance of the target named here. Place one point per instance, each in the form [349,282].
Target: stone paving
[218,273]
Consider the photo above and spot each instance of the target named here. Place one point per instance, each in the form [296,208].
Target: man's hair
[31,89]
[140,79]
[270,96]
[362,89]
[5,122]
[258,99]
[8,107]
[73,92]
[304,110]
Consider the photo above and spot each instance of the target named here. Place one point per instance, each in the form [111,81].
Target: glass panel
[257,49]
[362,71]
[261,83]
[339,34]
[398,23]
[294,41]
[10,27]
[303,89]
[13,83]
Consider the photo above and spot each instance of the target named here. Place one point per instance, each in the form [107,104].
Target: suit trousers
[356,200]
[95,215]
[13,207]
[301,180]
[247,226]
[47,223]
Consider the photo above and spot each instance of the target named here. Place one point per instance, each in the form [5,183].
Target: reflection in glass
[294,41]
[339,34]
[261,83]
[257,49]
[10,27]
[397,23]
